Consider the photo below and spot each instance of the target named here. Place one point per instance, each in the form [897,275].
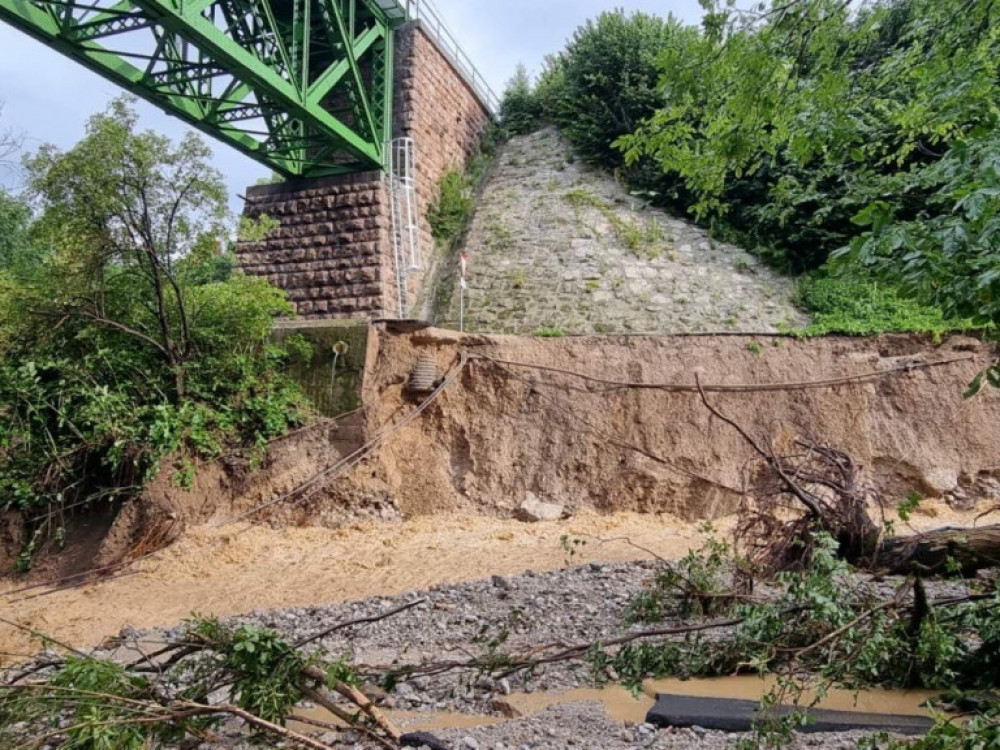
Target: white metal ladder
[403,210]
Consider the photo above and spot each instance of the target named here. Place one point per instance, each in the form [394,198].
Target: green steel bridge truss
[303,86]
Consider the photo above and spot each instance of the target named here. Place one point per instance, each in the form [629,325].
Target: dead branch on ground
[170,690]
[819,488]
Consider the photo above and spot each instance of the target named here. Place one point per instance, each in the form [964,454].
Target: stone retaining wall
[559,247]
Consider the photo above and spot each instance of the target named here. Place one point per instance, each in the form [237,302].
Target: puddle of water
[623,706]
[749,687]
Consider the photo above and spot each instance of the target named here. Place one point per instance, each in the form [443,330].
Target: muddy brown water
[232,571]
[624,706]
[235,570]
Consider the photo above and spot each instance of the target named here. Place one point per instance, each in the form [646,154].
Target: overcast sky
[48,98]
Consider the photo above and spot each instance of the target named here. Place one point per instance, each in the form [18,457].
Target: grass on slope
[867,308]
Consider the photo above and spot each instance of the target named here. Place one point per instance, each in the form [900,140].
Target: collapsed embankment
[610,441]
[502,431]
[499,432]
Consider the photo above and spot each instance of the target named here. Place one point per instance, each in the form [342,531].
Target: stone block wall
[330,251]
[333,249]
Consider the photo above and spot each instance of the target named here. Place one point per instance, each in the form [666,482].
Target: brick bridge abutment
[332,251]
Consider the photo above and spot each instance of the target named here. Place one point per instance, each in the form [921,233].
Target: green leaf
[975,386]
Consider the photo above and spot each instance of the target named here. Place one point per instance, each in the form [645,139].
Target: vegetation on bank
[825,627]
[452,208]
[125,334]
[866,308]
[860,139]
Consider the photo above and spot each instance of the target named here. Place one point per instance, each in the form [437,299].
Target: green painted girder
[303,86]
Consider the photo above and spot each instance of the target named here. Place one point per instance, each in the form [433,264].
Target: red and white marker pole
[462,286]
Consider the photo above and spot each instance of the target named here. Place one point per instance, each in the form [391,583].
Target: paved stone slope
[556,244]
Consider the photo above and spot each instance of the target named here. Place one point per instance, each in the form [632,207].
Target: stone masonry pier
[333,250]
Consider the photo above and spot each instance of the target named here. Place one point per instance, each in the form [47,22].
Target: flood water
[624,706]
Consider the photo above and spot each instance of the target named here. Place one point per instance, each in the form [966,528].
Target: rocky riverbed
[469,711]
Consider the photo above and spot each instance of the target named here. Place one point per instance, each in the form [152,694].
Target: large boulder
[533,510]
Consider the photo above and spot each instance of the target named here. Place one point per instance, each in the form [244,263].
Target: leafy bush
[694,586]
[210,672]
[861,641]
[606,81]
[981,732]
[15,245]
[131,340]
[948,252]
[449,214]
[89,414]
[865,308]
[451,210]
[268,669]
[799,126]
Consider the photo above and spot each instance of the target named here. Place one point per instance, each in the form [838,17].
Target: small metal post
[463,261]
[461,307]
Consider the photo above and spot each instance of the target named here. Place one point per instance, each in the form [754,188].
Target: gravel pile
[463,621]
[510,614]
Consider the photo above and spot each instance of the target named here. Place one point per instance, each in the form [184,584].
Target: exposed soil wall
[220,492]
[498,434]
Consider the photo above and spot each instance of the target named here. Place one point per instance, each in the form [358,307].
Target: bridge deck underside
[304,86]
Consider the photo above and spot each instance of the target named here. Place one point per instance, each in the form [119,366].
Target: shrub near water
[818,627]
[128,339]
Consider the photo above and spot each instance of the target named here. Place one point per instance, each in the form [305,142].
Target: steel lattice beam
[304,86]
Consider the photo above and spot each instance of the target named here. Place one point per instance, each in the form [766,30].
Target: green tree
[15,213]
[606,81]
[817,129]
[133,340]
[787,123]
[520,111]
[128,205]
[15,245]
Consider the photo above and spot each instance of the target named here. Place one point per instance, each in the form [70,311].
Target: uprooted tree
[819,488]
[189,687]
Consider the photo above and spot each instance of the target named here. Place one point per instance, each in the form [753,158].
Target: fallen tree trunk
[944,550]
[820,488]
